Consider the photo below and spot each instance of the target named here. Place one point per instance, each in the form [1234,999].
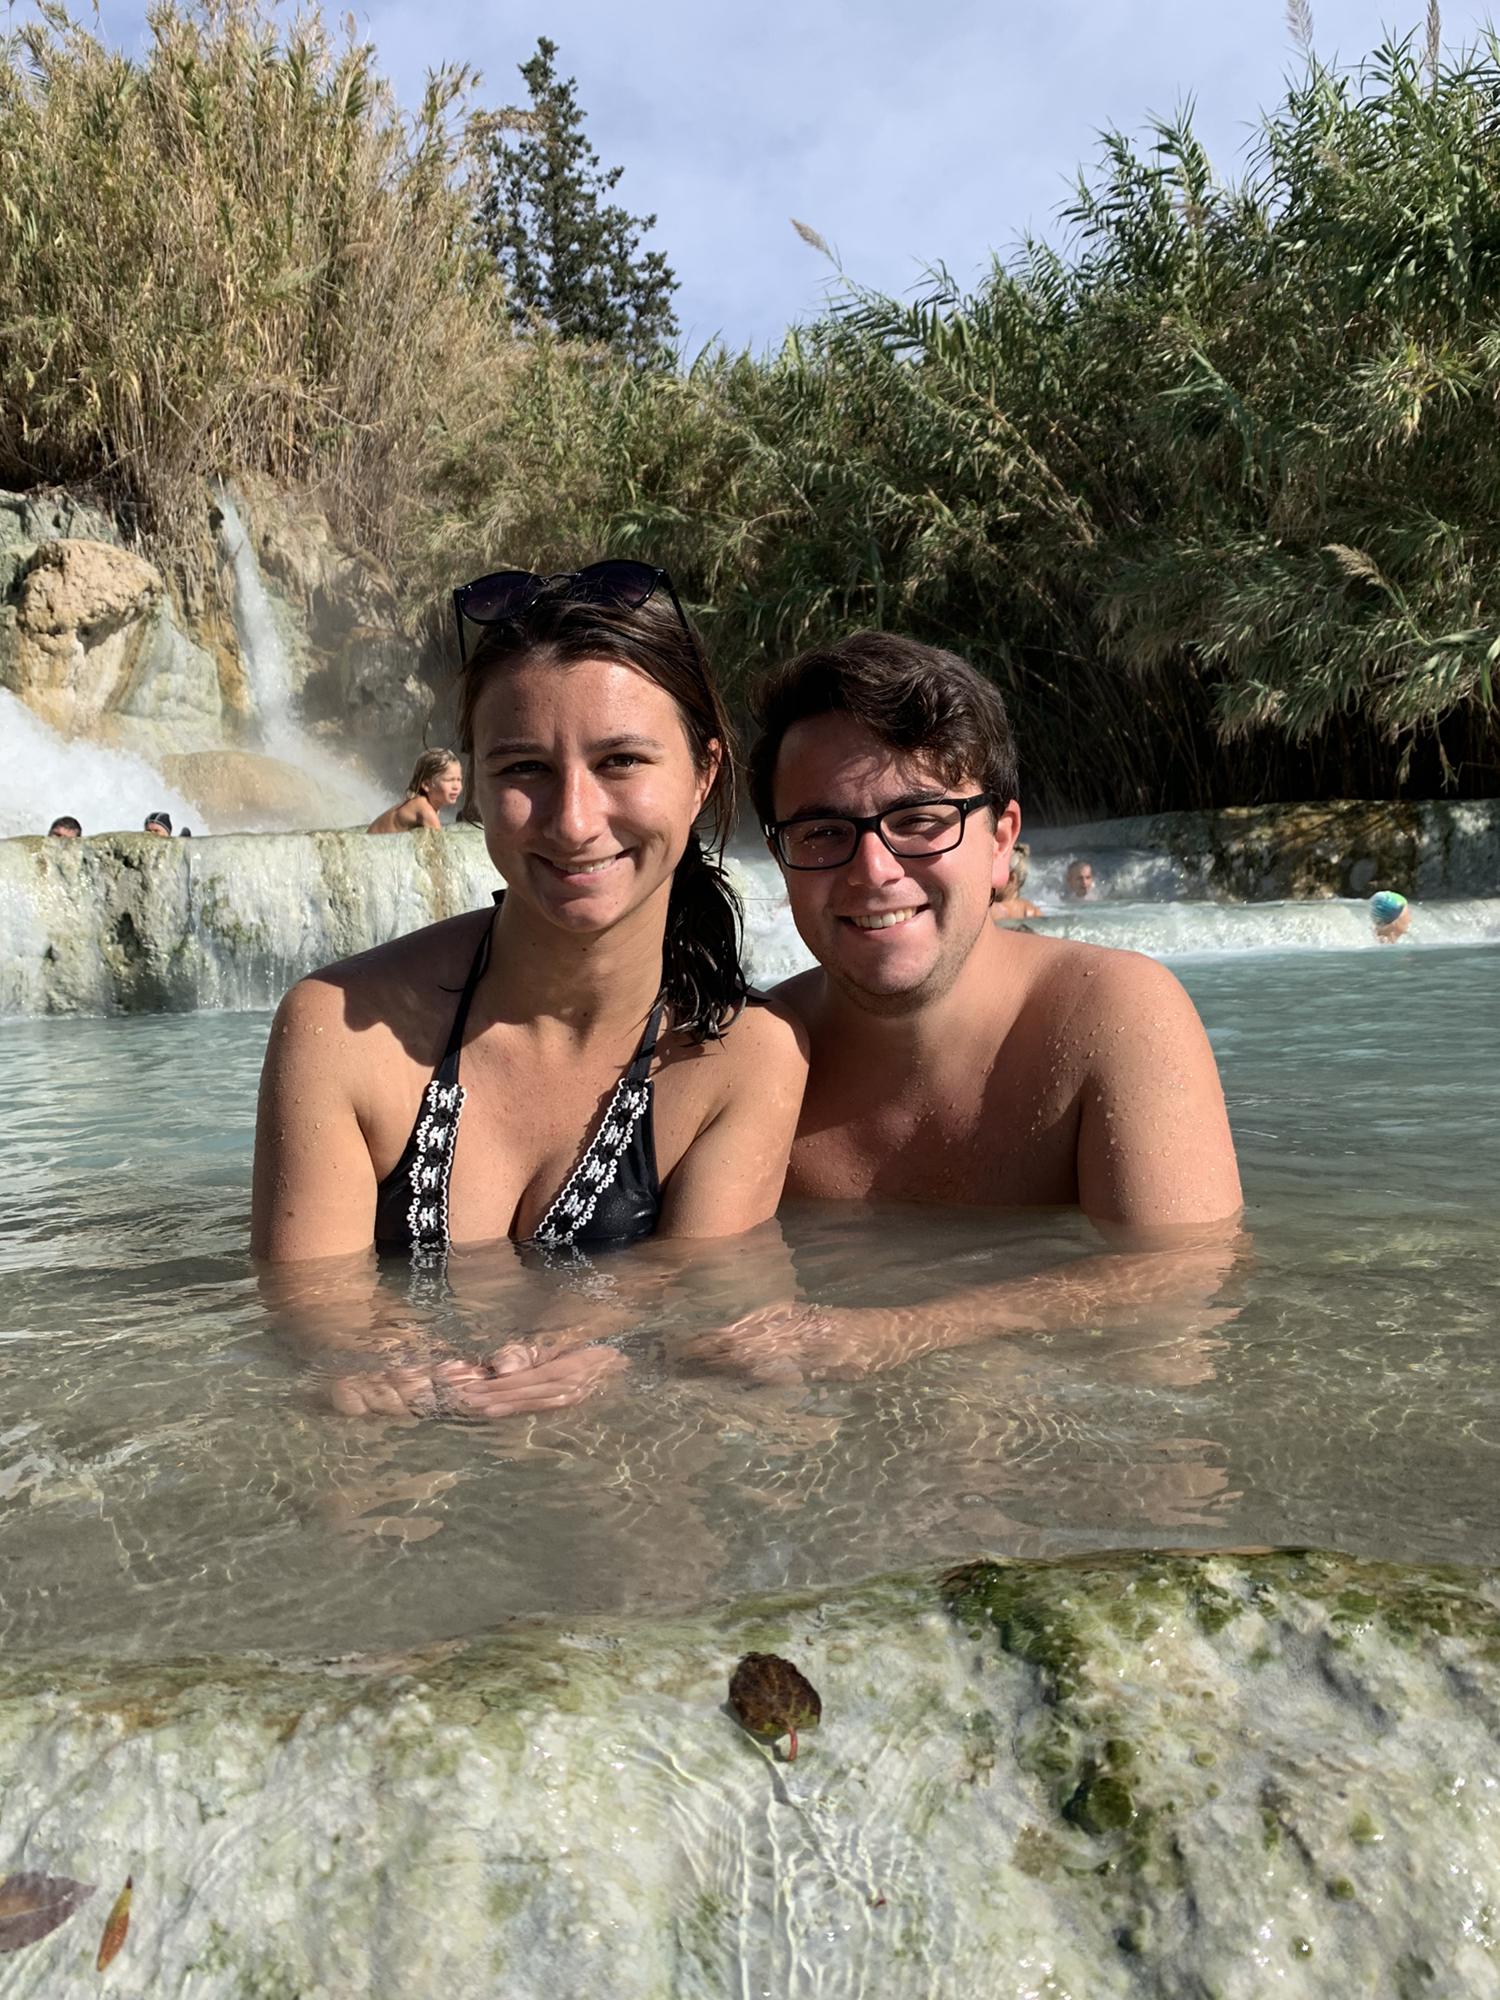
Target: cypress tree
[571,257]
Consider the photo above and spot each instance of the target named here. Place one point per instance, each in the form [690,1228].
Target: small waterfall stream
[268,670]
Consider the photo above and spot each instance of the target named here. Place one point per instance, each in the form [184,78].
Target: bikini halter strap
[466,998]
[639,1067]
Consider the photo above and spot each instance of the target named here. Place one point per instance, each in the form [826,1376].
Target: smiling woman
[583,1067]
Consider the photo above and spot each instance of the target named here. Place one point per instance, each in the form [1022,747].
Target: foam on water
[1126,874]
[1162,928]
[43,775]
[1209,930]
[109,927]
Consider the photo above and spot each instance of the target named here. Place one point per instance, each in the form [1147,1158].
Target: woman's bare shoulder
[398,984]
[765,1030]
[765,1038]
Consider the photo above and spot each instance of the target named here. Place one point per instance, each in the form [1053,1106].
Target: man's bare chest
[993,1140]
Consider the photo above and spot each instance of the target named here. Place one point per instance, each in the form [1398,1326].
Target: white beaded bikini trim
[596,1171]
[436,1136]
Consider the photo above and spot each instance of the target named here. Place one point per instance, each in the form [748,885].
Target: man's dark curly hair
[916,698]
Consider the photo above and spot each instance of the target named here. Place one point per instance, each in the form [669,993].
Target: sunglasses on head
[509,593]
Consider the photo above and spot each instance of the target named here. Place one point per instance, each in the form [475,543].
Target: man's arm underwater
[1156,1175]
[1171,1282]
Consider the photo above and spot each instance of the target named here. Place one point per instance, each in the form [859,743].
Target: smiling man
[952,1060]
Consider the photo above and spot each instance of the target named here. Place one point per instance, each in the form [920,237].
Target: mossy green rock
[1133,1775]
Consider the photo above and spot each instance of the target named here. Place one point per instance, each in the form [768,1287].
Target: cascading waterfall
[267,669]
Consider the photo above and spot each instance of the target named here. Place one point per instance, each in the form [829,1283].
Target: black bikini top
[612,1197]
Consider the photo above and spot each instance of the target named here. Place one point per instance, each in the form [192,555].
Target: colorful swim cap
[1386,906]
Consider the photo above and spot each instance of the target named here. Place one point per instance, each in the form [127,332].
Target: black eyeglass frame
[863,823]
[657,578]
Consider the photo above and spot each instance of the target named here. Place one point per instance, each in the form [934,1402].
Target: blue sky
[907,132]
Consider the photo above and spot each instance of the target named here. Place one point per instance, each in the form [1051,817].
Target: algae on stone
[1113,1776]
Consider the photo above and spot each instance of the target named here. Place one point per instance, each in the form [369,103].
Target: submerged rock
[242,788]
[1130,1775]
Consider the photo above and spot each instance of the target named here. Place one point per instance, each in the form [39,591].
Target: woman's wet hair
[429,767]
[1020,864]
[703,981]
[918,700]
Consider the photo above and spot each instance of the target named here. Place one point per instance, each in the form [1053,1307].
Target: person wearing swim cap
[1391,914]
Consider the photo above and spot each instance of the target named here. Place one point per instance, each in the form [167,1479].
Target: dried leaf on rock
[32,1905]
[116,1925]
[772,1698]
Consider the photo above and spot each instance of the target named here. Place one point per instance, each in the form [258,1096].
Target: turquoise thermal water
[172,1478]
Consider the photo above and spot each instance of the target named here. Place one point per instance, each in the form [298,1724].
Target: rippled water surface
[172,1476]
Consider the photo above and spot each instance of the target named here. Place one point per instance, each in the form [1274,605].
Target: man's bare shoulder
[769,1020]
[1095,1005]
[767,1039]
[1119,1014]
[1124,1042]
[1096,976]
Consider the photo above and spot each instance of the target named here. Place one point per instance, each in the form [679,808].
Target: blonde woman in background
[1011,903]
[436,782]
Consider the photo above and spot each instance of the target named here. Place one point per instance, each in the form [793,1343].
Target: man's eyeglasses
[829,840]
[508,593]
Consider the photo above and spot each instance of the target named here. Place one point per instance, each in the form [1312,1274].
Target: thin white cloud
[907,133]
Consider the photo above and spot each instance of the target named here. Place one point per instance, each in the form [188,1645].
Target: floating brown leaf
[771,1698]
[33,1905]
[115,1927]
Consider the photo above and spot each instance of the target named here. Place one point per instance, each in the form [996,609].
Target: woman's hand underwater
[519,1379]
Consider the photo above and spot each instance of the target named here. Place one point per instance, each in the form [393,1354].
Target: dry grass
[234,253]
